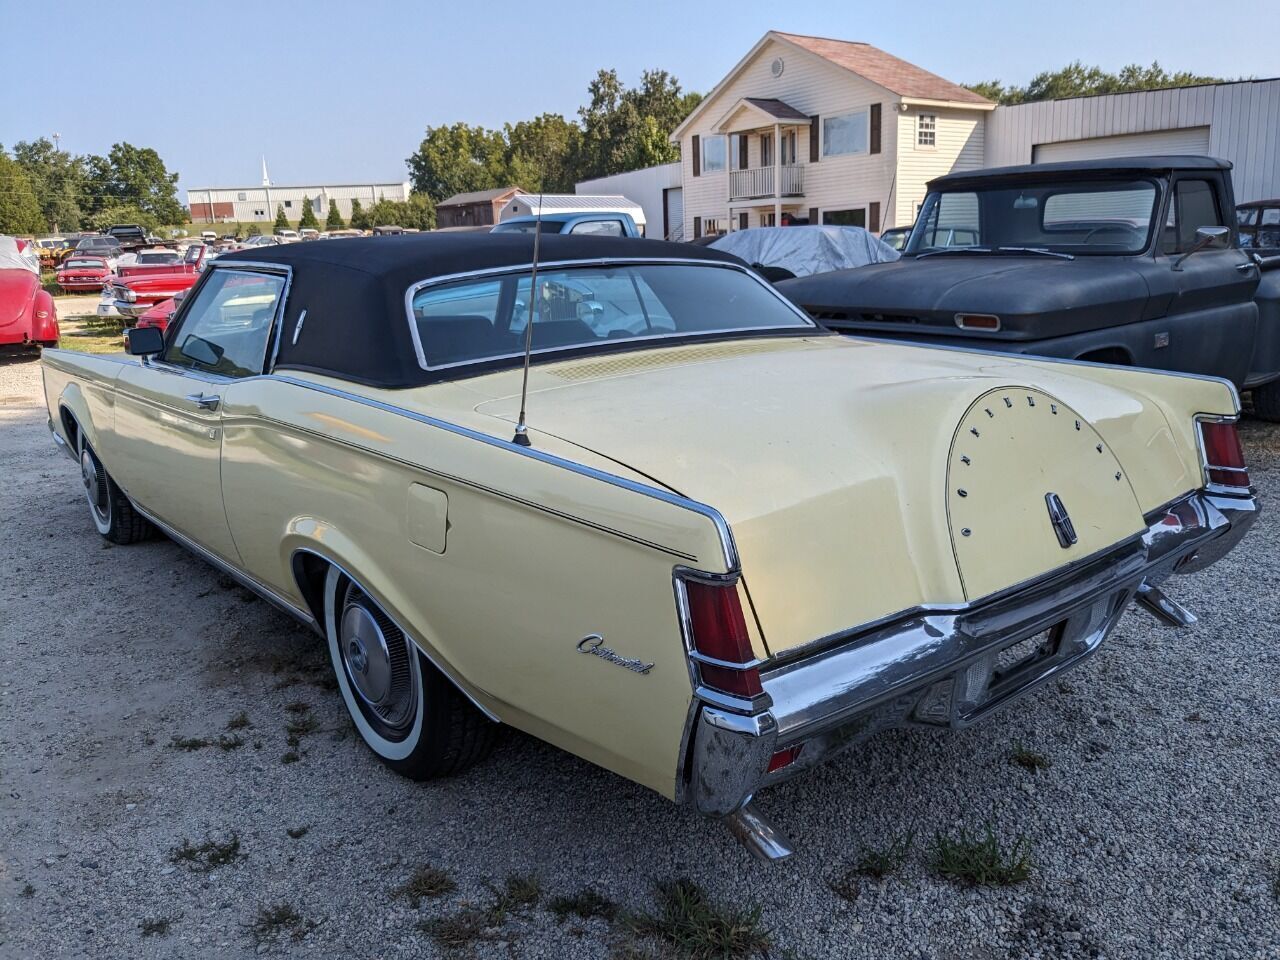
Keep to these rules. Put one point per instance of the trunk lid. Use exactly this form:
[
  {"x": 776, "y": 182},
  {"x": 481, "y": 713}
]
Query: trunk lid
[{"x": 852, "y": 510}]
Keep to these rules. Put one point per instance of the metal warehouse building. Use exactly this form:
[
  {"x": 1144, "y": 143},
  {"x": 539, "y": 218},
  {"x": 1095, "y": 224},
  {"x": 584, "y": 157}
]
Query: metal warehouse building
[
  {"x": 1234, "y": 121},
  {"x": 250, "y": 204}
]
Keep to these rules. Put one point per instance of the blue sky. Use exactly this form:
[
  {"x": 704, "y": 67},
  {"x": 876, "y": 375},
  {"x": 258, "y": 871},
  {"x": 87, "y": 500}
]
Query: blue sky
[{"x": 341, "y": 91}]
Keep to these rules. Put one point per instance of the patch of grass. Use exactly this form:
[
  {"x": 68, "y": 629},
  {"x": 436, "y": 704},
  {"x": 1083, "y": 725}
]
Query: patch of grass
[
  {"x": 518, "y": 892},
  {"x": 584, "y": 904},
  {"x": 298, "y": 706},
  {"x": 93, "y": 335},
  {"x": 303, "y": 724},
  {"x": 190, "y": 744},
  {"x": 1028, "y": 759},
  {"x": 278, "y": 919},
  {"x": 297, "y": 833},
  {"x": 457, "y": 930},
  {"x": 157, "y": 927},
  {"x": 28, "y": 891},
  {"x": 426, "y": 882},
  {"x": 976, "y": 860},
  {"x": 208, "y": 855},
  {"x": 291, "y": 757},
  {"x": 880, "y": 862},
  {"x": 695, "y": 927},
  {"x": 239, "y": 722},
  {"x": 233, "y": 742}
]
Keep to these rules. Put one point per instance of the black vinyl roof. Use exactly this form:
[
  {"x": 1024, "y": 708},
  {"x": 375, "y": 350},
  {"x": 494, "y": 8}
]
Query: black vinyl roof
[
  {"x": 1152, "y": 164},
  {"x": 353, "y": 291}
]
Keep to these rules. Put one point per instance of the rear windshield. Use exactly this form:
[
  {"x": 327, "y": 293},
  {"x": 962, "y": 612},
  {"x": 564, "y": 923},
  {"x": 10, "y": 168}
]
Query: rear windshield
[
  {"x": 154, "y": 258},
  {"x": 485, "y": 318},
  {"x": 98, "y": 243},
  {"x": 1080, "y": 217}
]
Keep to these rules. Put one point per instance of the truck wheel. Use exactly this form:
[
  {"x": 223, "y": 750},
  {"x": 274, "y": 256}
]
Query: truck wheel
[
  {"x": 112, "y": 513},
  {"x": 1266, "y": 401},
  {"x": 409, "y": 714}
]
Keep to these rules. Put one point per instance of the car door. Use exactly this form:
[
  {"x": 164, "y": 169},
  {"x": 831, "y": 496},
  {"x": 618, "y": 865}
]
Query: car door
[
  {"x": 1211, "y": 313},
  {"x": 169, "y": 411}
]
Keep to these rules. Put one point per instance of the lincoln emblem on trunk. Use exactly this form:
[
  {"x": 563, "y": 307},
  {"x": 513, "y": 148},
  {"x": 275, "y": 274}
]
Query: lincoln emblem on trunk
[{"x": 1061, "y": 520}]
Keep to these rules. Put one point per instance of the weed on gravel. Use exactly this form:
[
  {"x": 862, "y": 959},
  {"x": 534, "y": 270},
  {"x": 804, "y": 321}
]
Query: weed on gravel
[
  {"x": 297, "y": 833},
  {"x": 584, "y": 904},
  {"x": 279, "y": 919},
  {"x": 425, "y": 883},
  {"x": 875, "y": 863},
  {"x": 157, "y": 927},
  {"x": 695, "y": 927},
  {"x": 239, "y": 722},
  {"x": 1028, "y": 759},
  {"x": 190, "y": 744},
  {"x": 457, "y": 930},
  {"x": 518, "y": 892},
  {"x": 208, "y": 855},
  {"x": 227, "y": 744},
  {"x": 28, "y": 891},
  {"x": 978, "y": 860}
]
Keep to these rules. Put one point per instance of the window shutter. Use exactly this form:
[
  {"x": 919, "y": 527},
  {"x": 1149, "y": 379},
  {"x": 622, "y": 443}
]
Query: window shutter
[
  {"x": 875, "y": 128},
  {"x": 697, "y": 159},
  {"x": 742, "y": 220},
  {"x": 697, "y": 224},
  {"x": 813, "y": 216},
  {"x": 874, "y": 217},
  {"x": 813, "y": 138}
]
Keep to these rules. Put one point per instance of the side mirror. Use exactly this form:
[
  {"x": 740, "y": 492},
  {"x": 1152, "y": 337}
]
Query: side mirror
[
  {"x": 143, "y": 341},
  {"x": 1217, "y": 238}
]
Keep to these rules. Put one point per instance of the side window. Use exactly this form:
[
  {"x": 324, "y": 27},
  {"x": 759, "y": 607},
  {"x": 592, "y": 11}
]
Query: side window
[
  {"x": 600, "y": 228},
  {"x": 1194, "y": 205},
  {"x": 951, "y": 220},
  {"x": 227, "y": 327},
  {"x": 1269, "y": 228}
]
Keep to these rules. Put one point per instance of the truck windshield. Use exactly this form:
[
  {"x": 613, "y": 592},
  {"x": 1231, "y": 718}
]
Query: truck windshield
[
  {"x": 471, "y": 321},
  {"x": 1088, "y": 217}
]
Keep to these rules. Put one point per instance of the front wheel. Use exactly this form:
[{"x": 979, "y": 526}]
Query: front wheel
[
  {"x": 408, "y": 713},
  {"x": 112, "y": 512}
]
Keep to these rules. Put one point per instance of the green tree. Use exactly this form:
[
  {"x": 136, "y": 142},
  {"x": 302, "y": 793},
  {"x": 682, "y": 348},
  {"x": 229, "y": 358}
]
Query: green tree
[
  {"x": 334, "y": 220},
  {"x": 624, "y": 129},
  {"x": 57, "y": 179},
  {"x": 253, "y": 231},
  {"x": 1077, "y": 80},
  {"x": 458, "y": 159},
  {"x": 542, "y": 154},
  {"x": 19, "y": 206},
  {"x": 308, "y": 216},
  {"x": 359, "y": 217},
  {"x": 282, "y": 222},
  {"x": 133, "y": 176},
  {"x": 123, "y": 213},
  {"x": 417, "y": 213}
]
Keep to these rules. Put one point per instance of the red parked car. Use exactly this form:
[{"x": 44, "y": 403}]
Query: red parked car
[
  {"x": 160, "y": 314},
  {"x": 83, "y": 273},
  {"x": 138, "y": 287},
  {"x": 28, "y": 319}
]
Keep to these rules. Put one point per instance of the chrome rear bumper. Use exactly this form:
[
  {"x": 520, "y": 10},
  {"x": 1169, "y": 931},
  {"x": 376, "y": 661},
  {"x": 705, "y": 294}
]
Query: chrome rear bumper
[{"x": 948, "y": 667}]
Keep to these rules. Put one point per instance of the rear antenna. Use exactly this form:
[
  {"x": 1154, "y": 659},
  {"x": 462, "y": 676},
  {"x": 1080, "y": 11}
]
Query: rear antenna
[{"x": 521, "y": 439}]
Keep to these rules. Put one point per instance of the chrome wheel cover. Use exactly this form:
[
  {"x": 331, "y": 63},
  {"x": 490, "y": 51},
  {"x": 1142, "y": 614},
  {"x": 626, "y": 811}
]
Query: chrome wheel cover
[
  {"x": 376, "y": 658},
  {"x": 95, "y": 487}
]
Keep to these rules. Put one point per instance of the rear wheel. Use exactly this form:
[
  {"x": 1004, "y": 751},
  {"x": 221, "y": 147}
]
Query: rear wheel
[
  {"x": 110, "y": 509},
  {"x": 1266, "y": 401},
  {"x": 409, "y": 714}
]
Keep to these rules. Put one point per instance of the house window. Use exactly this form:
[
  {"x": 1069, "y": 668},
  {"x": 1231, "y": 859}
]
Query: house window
[
  {"x": 856, "y": 217},
  {"x": 288, "y": 204},
  {"x": 241, "y": 196},
  {"x": 259, "y": 213},
  {"x": 927, "y": 130},
  {"x": 768, "y": 220},
  {"x": 788, "y": 147},
  {"x": 712, "y": 227},
  {"x": 766, "y": 149},
  {"x": 713, "y": 154},
  {"x": 846, "y": 135}
]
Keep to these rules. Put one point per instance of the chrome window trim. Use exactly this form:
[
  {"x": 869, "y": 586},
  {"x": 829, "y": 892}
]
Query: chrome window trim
[
  {"x": 728, "y": 547},
  {"x": 413, "y": 290}
]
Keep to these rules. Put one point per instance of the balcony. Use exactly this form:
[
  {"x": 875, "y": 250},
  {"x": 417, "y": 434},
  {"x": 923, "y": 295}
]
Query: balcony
[{"x": 757, "y": 183}]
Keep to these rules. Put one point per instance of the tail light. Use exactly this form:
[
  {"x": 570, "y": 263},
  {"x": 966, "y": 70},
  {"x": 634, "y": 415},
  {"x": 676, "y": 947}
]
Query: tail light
[
  {"x": 719, "y": 638},
  {"x": 1222, "y": 454}
]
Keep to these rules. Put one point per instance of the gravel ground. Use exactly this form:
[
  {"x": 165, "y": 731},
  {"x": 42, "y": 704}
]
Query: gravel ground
[{"x": 1154, "y": 831}]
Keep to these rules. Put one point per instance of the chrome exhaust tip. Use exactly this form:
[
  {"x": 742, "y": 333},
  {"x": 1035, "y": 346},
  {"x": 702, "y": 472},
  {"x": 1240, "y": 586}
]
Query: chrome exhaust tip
[
  {"x": 757, "y": 834},
  {"x": 1168, "y": 611}
]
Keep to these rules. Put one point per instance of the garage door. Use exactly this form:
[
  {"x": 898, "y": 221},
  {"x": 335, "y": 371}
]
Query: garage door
[{"x": 1194, "y": 140}]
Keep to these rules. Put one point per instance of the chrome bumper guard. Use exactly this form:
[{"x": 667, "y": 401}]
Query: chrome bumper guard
[{"x": 948, "y": 667}]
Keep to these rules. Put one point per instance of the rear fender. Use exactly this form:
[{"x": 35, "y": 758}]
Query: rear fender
[{"x": 44, "y": 318}]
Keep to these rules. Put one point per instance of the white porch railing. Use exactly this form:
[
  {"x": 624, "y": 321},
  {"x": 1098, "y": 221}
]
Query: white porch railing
[{"x": 758, "y": 182}]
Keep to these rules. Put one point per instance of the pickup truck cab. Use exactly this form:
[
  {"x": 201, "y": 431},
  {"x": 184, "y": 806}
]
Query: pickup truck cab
[
  {"x": 137, "y": 288},
  {"x": 131, "y": 236},
  {"x": 1130, "y": 261},
  {"x": 595, "y": 224}
]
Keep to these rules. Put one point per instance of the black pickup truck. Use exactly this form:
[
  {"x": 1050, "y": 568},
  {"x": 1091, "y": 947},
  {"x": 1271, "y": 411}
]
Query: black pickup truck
[{"x": 1131, "y": 261}]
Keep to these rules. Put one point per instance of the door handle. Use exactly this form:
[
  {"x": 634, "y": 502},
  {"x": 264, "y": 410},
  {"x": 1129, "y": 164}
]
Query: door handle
[
  {"x": 1246, "y": 266},
  {"x": 204, "y": 403}
]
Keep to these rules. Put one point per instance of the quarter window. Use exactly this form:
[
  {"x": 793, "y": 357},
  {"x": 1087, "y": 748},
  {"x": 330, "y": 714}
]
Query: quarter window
[
  {"x": 844, "y": 135},
  {"x": 713, "y": 154},
  {"x": 226, "y": 328},
  {"x": 927, "y": 130}
]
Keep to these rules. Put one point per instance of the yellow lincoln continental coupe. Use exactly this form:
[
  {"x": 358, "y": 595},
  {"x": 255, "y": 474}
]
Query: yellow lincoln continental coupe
[{"x": 729, "y": 543}]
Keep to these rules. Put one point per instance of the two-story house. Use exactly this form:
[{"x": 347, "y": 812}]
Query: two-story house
[{"x": 811, "y": 130}]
